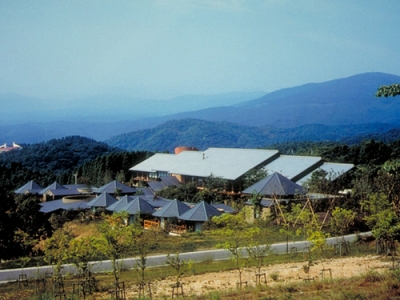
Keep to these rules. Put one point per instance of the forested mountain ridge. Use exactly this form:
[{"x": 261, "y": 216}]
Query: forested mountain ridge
[
  {"x": 344, "y": 101},
  {"x": 340, "y": 102},
  {"x": 204, "y": 134},
  {"x": 57, "y": 155},
  {"x": 46, "y": 161}
]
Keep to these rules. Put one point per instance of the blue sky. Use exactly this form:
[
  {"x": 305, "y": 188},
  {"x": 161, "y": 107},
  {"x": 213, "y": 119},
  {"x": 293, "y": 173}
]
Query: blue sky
[{"x": 164, "y": 48}]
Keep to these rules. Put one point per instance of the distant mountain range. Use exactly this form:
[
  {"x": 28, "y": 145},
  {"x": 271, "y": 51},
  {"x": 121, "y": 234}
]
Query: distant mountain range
[
  {"x": 331, "y": 110},
  {"x": 343, "y": 101},
  {"x": 204, "y": 134}
]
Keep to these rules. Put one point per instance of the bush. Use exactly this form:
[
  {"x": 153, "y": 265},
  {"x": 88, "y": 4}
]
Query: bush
[{"x": 274, "y": 276}]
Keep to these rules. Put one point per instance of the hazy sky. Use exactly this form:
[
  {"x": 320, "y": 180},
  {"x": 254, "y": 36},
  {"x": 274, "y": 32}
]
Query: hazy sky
[{"x": 163, "y": 48}]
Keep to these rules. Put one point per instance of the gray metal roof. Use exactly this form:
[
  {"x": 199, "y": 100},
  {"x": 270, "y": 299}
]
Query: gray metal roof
[
  {"x": 62, "y": 192},
  {"x": 112, "y": 186},
  {"x": 156, "y": 185},
  {"x": 157, "y": 201},
  {"x": 138, "y": 206},
  {"x": 123, "y": 201},
  {"x": 54, "y": 186},
  {"x": 275, "y": 184},
  {"x": 103, "y": 200},
  {"x": 145, "y": 191},
  {"x": 200, "y": 213},
  {"x": 223, "y": 208},
  {"x": 334, "y": 170},
  {"x": 30, "y": 187},
  {"x": 170, "y": 181},
  {"x": 228, "y": 163},
  {"x": 173, "y": 209},
  {"x": 292, "y": 166},
  {"x": 51, "y": 206}
]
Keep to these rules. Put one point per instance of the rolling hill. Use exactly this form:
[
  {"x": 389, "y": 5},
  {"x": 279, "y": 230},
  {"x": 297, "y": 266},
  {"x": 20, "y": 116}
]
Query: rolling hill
[
  {"x": 345, "y": 101},
  {"x": 204, "y": 134},
  {"x": 289, "y": 114}
]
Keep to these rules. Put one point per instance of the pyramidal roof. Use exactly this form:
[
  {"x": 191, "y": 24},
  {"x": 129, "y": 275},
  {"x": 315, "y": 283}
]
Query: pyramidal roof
[
  {"x": 103, "y": 200},
  {"x": 275, "y": 184},
  {"x": 123, "y": 201},
  {"x": 173, "y": 209},
  {"x": 138, "y": 206},
  {"x": 112, "y": 186},
  {"x": 30, "y": 187},
  {"x": 200, "y": 213},
  {"x": 54, "y": 186}
]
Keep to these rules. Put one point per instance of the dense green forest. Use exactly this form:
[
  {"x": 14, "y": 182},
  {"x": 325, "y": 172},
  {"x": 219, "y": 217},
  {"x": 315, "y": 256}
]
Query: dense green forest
[
  {"x": 96, "y": 164},
  {"x": 204, "y": 134}
]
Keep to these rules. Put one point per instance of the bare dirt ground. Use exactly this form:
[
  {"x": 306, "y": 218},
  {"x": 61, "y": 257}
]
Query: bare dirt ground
[{"x": 287, "y": 273}]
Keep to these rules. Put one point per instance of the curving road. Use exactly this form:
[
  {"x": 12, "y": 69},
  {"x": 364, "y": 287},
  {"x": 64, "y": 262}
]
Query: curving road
[{"x": 9, "y": 275}]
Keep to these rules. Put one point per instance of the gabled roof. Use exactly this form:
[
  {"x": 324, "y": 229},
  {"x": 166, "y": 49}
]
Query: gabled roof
[
  {"x": 52, "y": 187},
  {"x": 200, "y": 213},
  {"x": 294, "y": 167},
  {"x": 112, "y": 186},
  {"x": 173, "y": 209},
  {"x": 275, "y": 184},
  {"x": 123, "y": 201},
  {"x": 103, "y": 200},
  {"x": 228, "y": 163},
  {"x": 334, "y": 171},
  {"x": 30, "y": 187},
  {"x": 138, "y": 206}
]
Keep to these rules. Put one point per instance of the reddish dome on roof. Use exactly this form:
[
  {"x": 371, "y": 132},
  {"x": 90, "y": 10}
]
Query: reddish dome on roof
[{"x": 185, "y": 148}]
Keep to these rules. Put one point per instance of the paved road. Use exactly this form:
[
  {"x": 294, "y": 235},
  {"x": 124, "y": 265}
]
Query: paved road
[{"x": 160, "y": 260}]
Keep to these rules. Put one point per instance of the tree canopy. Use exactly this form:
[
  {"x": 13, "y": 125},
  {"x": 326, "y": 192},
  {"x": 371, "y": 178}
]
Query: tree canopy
[{"x": 388, "y": 90}]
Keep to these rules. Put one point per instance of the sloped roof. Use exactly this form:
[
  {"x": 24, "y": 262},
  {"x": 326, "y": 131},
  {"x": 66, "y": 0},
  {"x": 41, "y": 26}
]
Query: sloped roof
[
  {"x": 30, "y": 187},
  {"x": 170, "y": 181},
  {"x": 51, "y": 206},
  {"x": 123, "y": 201},
  {"x": 215, "y": 161},
  {"x": 138, "y": 205},
  {"x": 200, "y": 213},
  {"x": 164, "y": 182},
  {"x": 275, "y": 184},
  {"x": 223, "y": 208},
  {"x": 112, "y": 186},
  {"x": 145, "y": 191},
  {"x": 334, "y": 171},
  {"x": 157, "y": 201},
  {"x": 175, "y": 208},
  {"x": 103, "y": 200},
  {"x": 54, "y": 186},
  {"x": 62, "y": 192},
  {"x": 294, "y": 167},
  {"x": 156, "y": 185}
]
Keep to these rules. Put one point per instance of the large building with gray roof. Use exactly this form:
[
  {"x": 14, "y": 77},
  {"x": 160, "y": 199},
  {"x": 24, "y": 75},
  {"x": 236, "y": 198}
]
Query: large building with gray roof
[{"x": 230, "y": 164}]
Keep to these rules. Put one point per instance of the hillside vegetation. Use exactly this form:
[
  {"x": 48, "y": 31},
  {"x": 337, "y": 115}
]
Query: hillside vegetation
[{"x": 204, "y": 134}]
